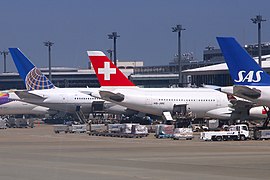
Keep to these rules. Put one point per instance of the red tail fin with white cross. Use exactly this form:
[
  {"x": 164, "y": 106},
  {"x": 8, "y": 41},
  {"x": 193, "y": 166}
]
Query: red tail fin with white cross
[{"x": 107, "y": 73}]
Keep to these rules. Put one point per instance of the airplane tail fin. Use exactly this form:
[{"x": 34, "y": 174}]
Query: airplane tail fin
[
  {"x": 107, "y": 73},
  {"x": 4, "y": 98},
  {"x": 243, "y": 68},
  {"x": 32, "y": 76}
]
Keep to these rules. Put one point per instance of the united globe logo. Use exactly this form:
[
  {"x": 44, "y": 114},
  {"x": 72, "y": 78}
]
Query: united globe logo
[{"x": 35, "y": 80}]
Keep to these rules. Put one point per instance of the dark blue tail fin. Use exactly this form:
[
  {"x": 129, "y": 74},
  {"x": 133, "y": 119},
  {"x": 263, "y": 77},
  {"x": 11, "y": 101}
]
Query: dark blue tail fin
[
  {"x": 32, "y": 76},
  {"x": 243, "y": 68}
]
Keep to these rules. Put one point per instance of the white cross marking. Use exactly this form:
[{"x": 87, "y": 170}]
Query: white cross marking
[{"x": 107, "y": 71}]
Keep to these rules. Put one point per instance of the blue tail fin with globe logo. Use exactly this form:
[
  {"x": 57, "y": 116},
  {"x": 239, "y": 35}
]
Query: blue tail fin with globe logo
[{"x": 32, "y": 76}]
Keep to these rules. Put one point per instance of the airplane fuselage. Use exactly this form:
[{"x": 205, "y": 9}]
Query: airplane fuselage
[
  {"x": 68, "y": 100},
  {"x": 158, "y": 100}
]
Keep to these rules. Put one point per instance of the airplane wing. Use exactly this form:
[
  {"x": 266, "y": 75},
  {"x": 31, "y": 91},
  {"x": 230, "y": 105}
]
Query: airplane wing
[
  {"x": 108, "y": 95},
  {"x": 27, "y": 95},
  {"x": 239, "y": 105},
  {"x": 244, "y": 108},
  {"x": 246, "y": 92}
]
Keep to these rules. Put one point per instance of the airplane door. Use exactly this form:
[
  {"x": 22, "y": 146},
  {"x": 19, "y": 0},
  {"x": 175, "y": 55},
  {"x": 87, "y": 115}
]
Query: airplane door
[
  {"x": 64, "y": 98},
  {"x": 97, "y": 106},
  {"x": 148, "y": 100},
  {"x": 218, "y": 103}
]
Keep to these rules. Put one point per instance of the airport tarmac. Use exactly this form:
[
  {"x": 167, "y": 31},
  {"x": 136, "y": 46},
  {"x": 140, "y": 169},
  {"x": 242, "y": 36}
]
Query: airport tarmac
[{"x": 38, "y": 153}]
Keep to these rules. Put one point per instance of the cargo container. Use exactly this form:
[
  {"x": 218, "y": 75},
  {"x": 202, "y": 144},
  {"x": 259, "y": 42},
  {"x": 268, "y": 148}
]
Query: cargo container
[
  {"x": 77, "y": 128},
  {"x": 164, "y": 131},
  {"x": 3, "y": 124},
  {"x": 60, "y": 128},
  {"x": 96, "y": 127},
  {"x": 114, "y": 128},
  {"x": 183, "y": 133},
  {"x": 212, "y": 124},
  {"x": 139, "y": 129},
  {"x": 119, "y": 130},
  {"x": 127, "y": 128}
]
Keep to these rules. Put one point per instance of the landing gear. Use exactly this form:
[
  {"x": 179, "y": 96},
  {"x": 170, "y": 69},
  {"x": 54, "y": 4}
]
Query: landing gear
[{"x": 266, "y": 122}]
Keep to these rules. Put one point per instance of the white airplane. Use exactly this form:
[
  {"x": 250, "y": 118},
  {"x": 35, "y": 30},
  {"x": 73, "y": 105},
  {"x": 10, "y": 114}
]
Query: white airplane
[
  {"x": 116, "y": 88},
  {"x": 250, "y": 80},
  {"x": 41, "y": 91},
  {"x": 13, "y": 107}
]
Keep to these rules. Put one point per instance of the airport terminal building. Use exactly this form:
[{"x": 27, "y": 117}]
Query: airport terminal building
[
  {"x": 65, "y": 77},
  {"x": 217, "y": 74},
  {"x": 211, "y": 70}
]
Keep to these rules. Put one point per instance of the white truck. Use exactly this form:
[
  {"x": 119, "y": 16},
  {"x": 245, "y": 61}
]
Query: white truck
[{"x": 235, "y": 132}]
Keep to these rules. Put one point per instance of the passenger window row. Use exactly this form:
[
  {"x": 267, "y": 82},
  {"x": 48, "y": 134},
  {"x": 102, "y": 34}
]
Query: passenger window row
[
  {"x": 76, "y": 98},
  {"x": 187, "y": 100}
]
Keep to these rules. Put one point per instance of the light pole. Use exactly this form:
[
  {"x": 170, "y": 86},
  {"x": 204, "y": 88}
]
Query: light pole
[
  {"x": 4, "y": 53},
  {"x": 114, "y": 36},
  {"x": 257, "y": 20},
  {"x": 49, "y": 44},
  {"x": 178, "y": 28},
  {"x": 110, "y": 53}
]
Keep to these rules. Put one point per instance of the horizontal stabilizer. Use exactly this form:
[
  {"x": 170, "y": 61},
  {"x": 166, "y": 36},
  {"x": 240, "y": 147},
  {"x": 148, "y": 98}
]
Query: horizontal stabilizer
[
  {"x": 108, "y": 95},
  {"x": 26, "y": 95},
  {"x": 87, "y": 92}
]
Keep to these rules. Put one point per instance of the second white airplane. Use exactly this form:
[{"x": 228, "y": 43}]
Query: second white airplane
[{"x": 201, "y": 102}]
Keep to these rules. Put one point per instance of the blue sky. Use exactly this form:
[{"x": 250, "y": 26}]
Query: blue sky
[{"x": 144, "y": 26}]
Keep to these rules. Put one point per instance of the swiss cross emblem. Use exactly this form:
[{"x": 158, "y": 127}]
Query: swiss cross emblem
[{"x": 107, "y": 71}]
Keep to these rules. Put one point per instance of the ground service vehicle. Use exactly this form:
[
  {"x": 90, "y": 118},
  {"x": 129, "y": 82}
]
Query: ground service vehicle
[
  {"x": 235, "y": 132},
  {"x": 260, "y": 134},
  {"x": 183, "y": 133}
]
